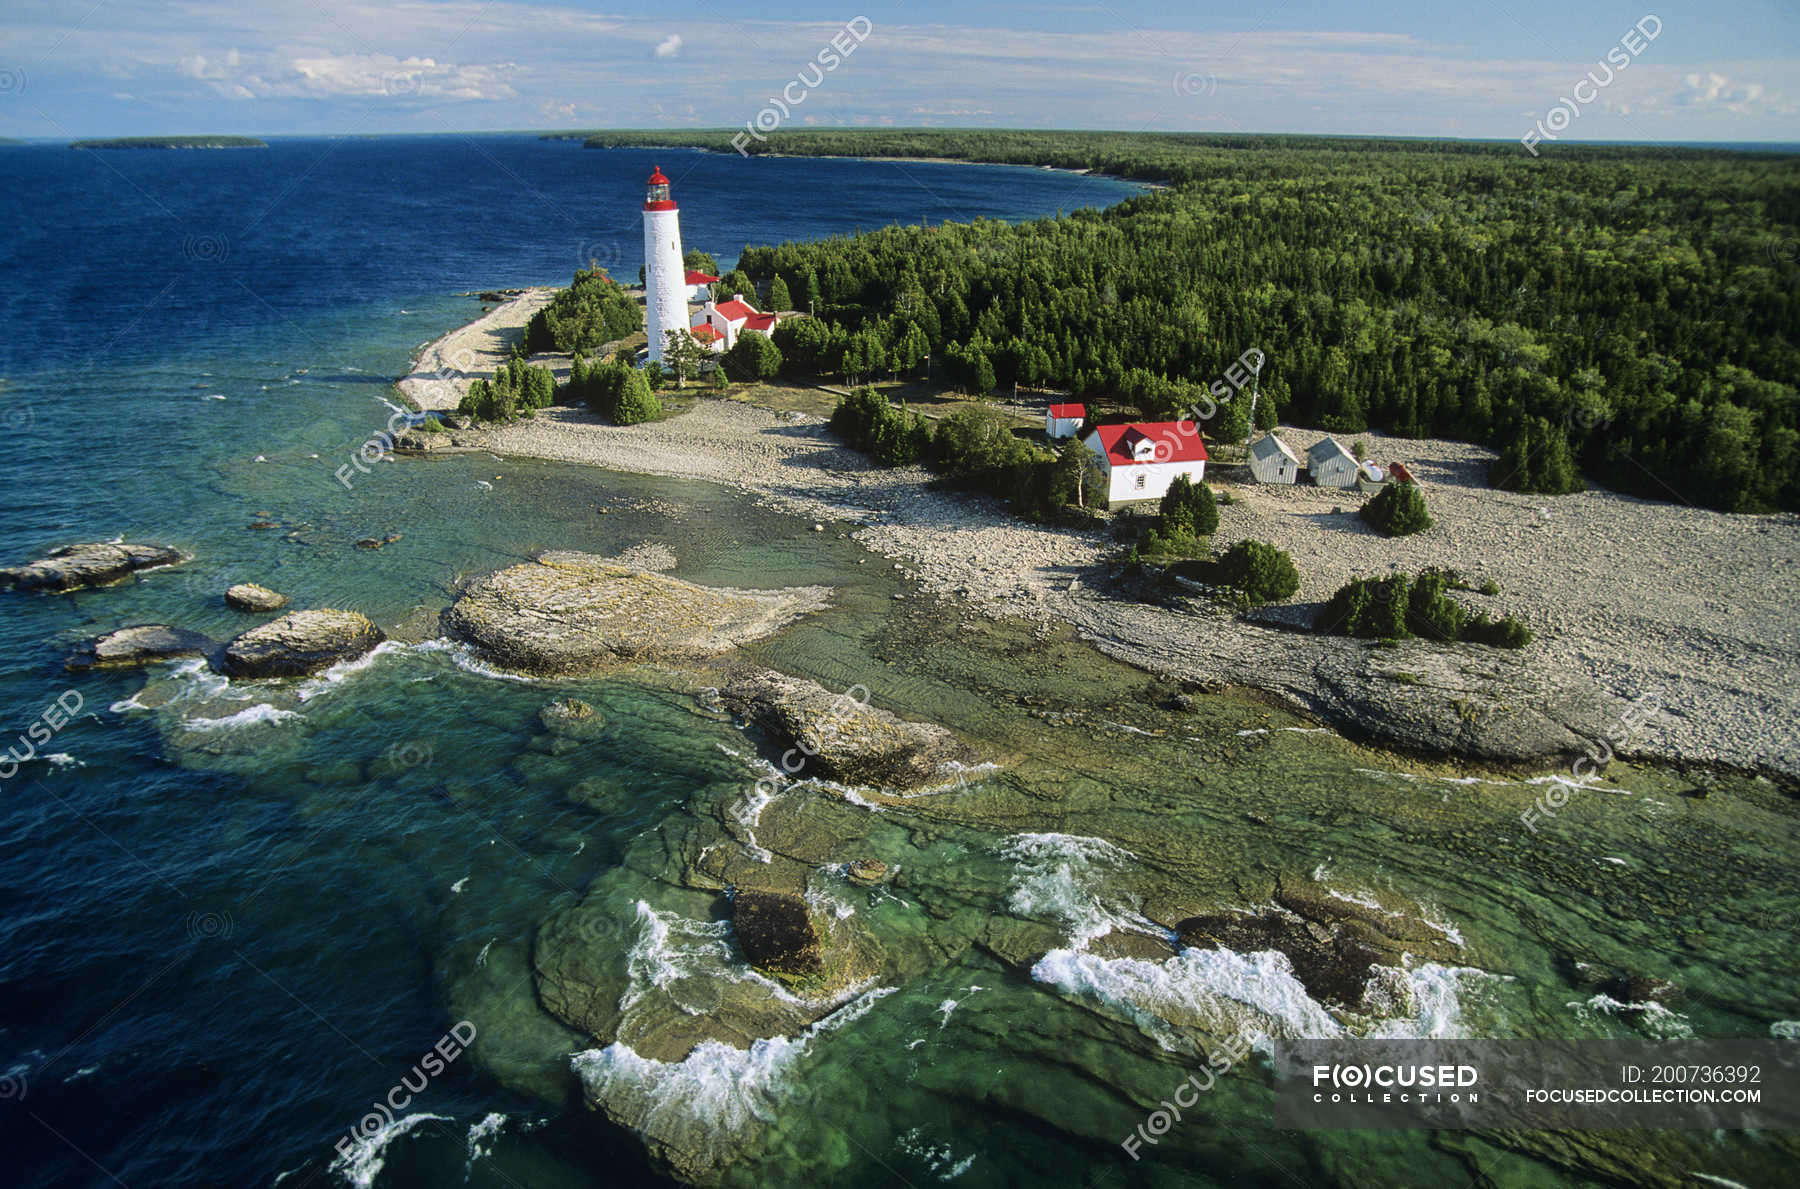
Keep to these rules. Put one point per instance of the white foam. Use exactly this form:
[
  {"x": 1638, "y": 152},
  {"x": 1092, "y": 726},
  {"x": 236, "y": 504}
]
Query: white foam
[
  {"x": 1785, "y": 1029},
  {"x": 748, "y": 814},
  {"x": 337, "y": 674},
  {"x": 715, "y": 1089},
  {"x": 464, "y": 658},
  {"x": 1652, "y": 1017},
  {"x": 460, "y": 884},
  {"x": 482, "y": 1136},
  {"x": 1055, "y": 876},
  {"x": 262, "y": 714},
  {"x": 939, "y": 1159},
  {"x": 1257, "y": 994},
  {"x": 363, "y": 1160},
  {"x": 62, "y": 759},
  {"x": 670, "y": 948}
]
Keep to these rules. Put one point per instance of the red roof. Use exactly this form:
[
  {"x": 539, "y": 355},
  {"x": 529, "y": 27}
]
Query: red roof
[
  {"x": 734, "y": 309},
  {"x": 704, "y": 331},
  {"x": 656, "y": 177},
  {"x": 700, "y": 278},
  {"x": 761, "y": 322},
  {"x": 1173, "y": 442},
  {"x": 1064, "y": 411}
]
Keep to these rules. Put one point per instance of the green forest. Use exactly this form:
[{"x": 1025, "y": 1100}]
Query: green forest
[{"x": 1621, "y": 313}]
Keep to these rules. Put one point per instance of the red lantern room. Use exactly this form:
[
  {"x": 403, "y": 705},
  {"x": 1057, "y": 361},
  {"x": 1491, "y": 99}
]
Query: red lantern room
[{"x": 656, "y": 197}]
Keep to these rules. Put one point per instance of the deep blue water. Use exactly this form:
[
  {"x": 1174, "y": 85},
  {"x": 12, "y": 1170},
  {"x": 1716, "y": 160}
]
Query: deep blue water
[
  {"x": 233, "y": 915},
  {"x": 210, "y": 966}
]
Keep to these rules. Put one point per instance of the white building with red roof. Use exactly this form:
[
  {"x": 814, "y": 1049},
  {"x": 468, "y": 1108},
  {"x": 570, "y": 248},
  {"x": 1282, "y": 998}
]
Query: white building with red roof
[
  {"x": 1141, "y": 459},
  {"x": 700, "y": 284},
  {"x": 725, "y": 320},
  {"x": 1064, "y": 421}
]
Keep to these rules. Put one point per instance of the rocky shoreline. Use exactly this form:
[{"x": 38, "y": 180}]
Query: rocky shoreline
[{"x": 1640, "y": 650}]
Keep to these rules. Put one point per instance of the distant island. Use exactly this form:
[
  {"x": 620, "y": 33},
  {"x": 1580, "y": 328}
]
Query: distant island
[{"x": 172, "y": 142}]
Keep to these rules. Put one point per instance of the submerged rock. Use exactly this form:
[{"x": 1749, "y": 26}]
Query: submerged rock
[
  {"x": 842, "y": 737},
  {"x": 575, "y": 613},
  {"x": 1640, "y": 988},
  {"x": 142, "y": 644},
  {"x": 76, "y": 567},
  {"x": 775, "y": 931},
  {"x": 299, "y": 643},
  {"x": 248, "y": 596},
  {"x": 867, "y": 873},
  {"x": 570, "y": 725},
  {"x": 570, "y": 712},
  {"x": 1338, "y": 947}
]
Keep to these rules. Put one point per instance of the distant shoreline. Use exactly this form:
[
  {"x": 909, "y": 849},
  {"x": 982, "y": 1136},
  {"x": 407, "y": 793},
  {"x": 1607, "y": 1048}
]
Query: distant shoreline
[
  {"x": 1148, "y": 185},
  {"x": 171, "y": 142}
]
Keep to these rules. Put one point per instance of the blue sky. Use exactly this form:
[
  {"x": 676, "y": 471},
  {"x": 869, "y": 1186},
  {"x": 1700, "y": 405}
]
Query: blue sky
[{"x": 1728, "y": 70}]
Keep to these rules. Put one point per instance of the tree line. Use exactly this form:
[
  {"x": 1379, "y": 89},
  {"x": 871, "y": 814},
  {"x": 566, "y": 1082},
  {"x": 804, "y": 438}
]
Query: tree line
[{"x": 1617, "y": 312}]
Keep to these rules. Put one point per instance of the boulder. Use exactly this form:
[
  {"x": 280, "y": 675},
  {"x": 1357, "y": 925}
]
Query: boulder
[
  {"x": 1641, "y": 988},
  {"x": 1338, "y": 947},
  {"x": 776, "y": 933},
  {"x": 299, "y": 643},
  {"x": 867, "y": 873},
  {"x": 75, "y": 567},
  {"x": 574, "y": 613},
  {"x": 842, "y": 737},
  {"x": 248, "y": 596},
  {"x": 572, "y": 719},
  {"x": 142, "y": 644}
]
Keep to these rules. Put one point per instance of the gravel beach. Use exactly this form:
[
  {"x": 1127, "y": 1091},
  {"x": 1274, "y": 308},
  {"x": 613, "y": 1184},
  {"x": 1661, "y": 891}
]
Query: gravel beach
[{"x": 1684, "y": 613}]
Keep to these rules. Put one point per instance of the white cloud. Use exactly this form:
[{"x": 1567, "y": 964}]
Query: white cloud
[
  {"x": 520, "y": 61},
  {"x": 1714, "y": 90}
]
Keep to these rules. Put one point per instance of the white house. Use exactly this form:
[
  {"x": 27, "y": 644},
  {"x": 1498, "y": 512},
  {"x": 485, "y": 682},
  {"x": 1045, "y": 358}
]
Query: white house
[
  {"x": 1142, "y": 459},
  {"x": 1272, "y": 462},
  {"x": 1330, "y": 465},
  {"x": 718, "y": 324},
  {"x": 699, "y": 285},
  {"x": 1064, "y": 421}
]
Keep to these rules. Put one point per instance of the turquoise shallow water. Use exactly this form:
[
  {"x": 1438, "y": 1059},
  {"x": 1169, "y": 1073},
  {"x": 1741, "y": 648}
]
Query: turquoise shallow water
[{"x": 234, "y": 915}]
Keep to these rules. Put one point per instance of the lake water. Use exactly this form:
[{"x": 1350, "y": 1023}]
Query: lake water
[{"x": 234, "y": 915}]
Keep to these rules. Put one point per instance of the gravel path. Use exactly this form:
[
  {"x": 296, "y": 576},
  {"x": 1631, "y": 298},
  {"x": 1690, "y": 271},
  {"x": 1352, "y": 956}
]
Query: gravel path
[{"x": 1631, "y": 601}]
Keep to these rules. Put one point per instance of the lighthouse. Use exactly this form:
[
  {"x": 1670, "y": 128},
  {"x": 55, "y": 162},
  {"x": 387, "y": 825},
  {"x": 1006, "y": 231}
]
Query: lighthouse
[{"x": 665, "y": 280}]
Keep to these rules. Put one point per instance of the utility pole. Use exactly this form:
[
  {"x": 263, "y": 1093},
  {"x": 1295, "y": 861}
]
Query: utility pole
[{"x": 1255, "y": 391}]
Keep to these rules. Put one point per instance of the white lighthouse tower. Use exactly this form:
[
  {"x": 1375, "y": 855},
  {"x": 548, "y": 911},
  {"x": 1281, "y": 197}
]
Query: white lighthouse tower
[{"x": 665, "y": 279}]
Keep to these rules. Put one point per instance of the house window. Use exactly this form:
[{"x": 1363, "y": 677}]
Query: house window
[{"x": 1139, "y": 484}]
